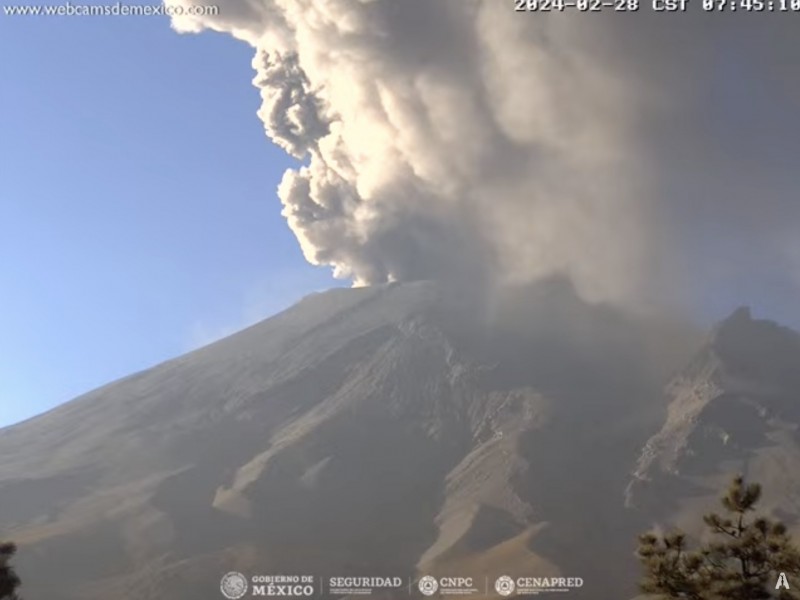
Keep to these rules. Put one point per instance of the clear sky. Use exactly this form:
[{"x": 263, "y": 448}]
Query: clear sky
[{"x": 137, "y": 203}]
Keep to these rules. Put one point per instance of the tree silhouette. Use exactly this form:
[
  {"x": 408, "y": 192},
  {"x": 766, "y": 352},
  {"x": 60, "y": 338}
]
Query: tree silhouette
[
  {"x": 9, "y": 582},
  {"x": 743, "y": 562}
]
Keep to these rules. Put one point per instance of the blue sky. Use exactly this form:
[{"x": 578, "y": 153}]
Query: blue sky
[{"x": 137, "y": 203}]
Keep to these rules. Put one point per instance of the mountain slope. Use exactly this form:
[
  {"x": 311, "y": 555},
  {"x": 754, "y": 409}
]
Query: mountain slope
[
  {"x": 396, "y": 430},
  {"x": 735, "y": 408}
]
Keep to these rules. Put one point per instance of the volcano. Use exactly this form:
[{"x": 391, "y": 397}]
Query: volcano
[{"x": 402, "y": 431}]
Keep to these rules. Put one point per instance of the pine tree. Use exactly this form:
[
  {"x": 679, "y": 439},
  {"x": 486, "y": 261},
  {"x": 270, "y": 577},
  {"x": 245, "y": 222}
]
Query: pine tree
[
  {"x": 743, "y": 562},
  {"x": 9, "y": 581}
]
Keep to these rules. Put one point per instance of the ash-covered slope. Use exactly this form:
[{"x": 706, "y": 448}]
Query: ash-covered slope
[
  {"x": 394, "y": 430},
  {"x": 735, "y": 408}
]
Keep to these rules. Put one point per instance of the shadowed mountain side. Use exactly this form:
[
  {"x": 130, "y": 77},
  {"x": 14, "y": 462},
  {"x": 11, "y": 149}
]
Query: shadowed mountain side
[{"x": 734, "y": 409}]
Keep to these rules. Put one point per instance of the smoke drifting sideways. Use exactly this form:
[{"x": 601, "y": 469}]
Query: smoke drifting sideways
[{"x": 649, "y": 157}]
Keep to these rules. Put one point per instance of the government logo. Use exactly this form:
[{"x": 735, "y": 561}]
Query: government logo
[
  {"x": 233, "y": 585},
  {"x": 284, "y": 585}
]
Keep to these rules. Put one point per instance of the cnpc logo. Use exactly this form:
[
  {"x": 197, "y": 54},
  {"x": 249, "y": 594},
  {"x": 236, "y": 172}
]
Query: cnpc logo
[
  {"x": 460, "y": 586},
  {"x": 428, "y": 585}
]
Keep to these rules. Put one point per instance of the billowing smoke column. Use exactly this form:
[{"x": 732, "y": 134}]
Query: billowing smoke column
[{"x": 463, "y": 139}]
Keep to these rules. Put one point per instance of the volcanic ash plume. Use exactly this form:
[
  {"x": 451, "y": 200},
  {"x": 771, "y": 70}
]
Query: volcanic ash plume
[{"x": 462, "y": 139}]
